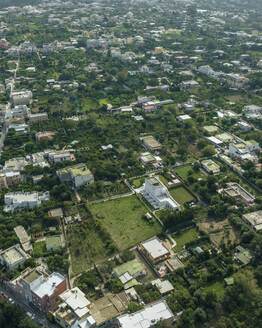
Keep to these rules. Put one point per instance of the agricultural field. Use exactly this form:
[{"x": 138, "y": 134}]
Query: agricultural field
[
  {"x": 86, "y": 247},
  {"x": 124, "y": 219}
]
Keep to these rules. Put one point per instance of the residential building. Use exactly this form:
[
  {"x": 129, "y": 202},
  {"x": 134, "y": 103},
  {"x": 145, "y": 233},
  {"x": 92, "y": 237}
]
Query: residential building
[
  {"x": 10, "y": 179},
  {"x": 19, "y": 128},
  {"x": 60, "y": 156},
  {"x": 147, "y": 317},
  {"x": 23, "y": 238},
  {"x": 20, "y": 200},
  {"x": 236, "y": 80},
  {"x": 151, "y": 143},
  {"x": 48, "y": 134},
  {"x": 254, "y": 219},
  {"x": 77, "y": 175},
  {"x": 210, "y": 166},
  {"x": 13, "y": 256},
  {"x": 154, "y": 250},
  {"x": 157, "y": 195},
  {"x": 37, "y": 117},
  {"x": 129, "y": 270},
  {"x": 236, "y": 191},
  {"x": 244, "y": 126},
  {"x": 21, "y": 97},
  {"x": 187, "y": 85},
  {"x": 39, "y": 288},
  {"x": 16, "y": 164},
  {"x": 73, "y": 310},
  {"x": 253, "y": 109},
  {"x": 242, "y": 255},
  {"x": 164, "y": 286}
]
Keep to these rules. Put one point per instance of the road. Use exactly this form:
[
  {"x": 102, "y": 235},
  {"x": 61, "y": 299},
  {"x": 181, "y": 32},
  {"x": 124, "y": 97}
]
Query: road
[{"x": 39, "y": 317}]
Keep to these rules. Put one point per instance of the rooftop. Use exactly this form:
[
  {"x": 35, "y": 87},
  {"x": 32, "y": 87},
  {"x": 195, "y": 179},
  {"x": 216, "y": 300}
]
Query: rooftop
[
  {"x": 147, "y": 317},
  {"x": 76, "y": 170},
  {"x": 32, "y": 276},
  {"x": 48, "y": 286},
  {"x": 155, "y": 248}
]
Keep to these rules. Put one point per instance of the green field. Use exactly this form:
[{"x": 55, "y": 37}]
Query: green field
[
  {"x": 86, "y": 247},
  {"x": 184, "y": 238},
  {"x": 183, "y": 172},
  {"x": 123, "y": 219},
  {"x": 181, "y": 195}
]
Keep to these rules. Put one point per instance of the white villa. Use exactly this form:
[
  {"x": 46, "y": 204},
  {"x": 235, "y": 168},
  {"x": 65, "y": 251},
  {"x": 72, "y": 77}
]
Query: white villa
[{"x": 157, "y": 195}]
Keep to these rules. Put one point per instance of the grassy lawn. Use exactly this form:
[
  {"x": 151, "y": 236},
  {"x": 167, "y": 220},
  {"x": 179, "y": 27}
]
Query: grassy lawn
[
  {"x": 181, "y": 195},
  {"x": 184, "y": 238},
  {"x": 137, "y": 183},
  {"x": 183, "y": 172},
  {"x": 217, "y": 288},
  {"x": 86, "y": 247},
  {"x": 39, "y": 249},
  {"x": 123, "y": 219}
]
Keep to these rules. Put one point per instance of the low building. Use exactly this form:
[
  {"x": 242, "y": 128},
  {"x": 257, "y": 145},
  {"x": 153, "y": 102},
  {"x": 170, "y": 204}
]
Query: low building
[
  {"x": 15, "y": 164},
  {"x": 13, "y": 256},
  {"x": 56, "y": 213},
  {"x": 244, "y": 126},
  {"x": 154, "y": 250},
  {"x": 254, "y": 219},
  {"x": 21, "y": 97},
  {"x": 73, "y": 310},
  {"x": 147, "y": 317},
  {"x": 48, "y": 134},
  {"x": 151, "y": 143},
  {"x": 157, "y": 195},
  {"x": 20, "y": 200},
  {"x": 10, "y": 179},
  {"x": 53, "y": 242},
  {"x": 187, "y": 85},
  {"x": 236, "y": 191},
  {"x": 77, "y": 175},
  {"x": 24, "y": 239},
  {"x": 164, "y": 286},
  {"x": 242, "y": 255},
  {"x": 210, "y": 166},
  {"x": 184, "y": 118},
  {"x": 129, "y": 270},
  {"x": 253, "y": 109},
  {"x": 37, "y": 117},
  {"x": 39, "y": 288},
  {"x": 19, "y": 128},
  {"x": 60, "y": 156}
]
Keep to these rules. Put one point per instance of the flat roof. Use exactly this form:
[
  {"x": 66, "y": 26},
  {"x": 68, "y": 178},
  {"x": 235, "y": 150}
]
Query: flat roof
[
  {"x": 32, "y": 276},
  {"x": 211, "y": 128},
  {"x": 255, "y": 219},
  {"x": 155, "y": 248},
  {"x": 147, "y": 317},
  {"x": 151, "y": 141},
  {"x": 13, "y": 255},
  {"x": 48, "y": 286},
  {"x": 76, "y": 170}
]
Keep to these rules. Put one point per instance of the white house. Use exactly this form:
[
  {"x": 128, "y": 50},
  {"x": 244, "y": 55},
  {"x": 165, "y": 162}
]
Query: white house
[
  {"x": 20, "y": 200},
  {"x": 157, "y": 195}
]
